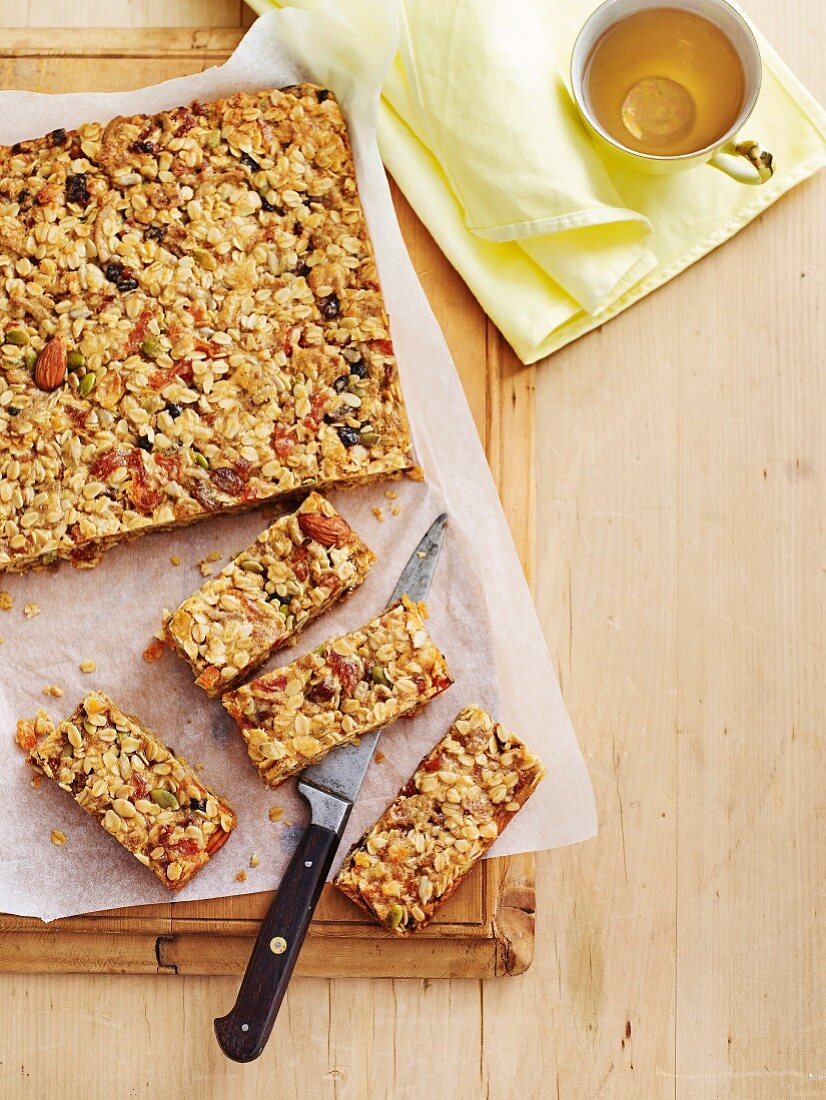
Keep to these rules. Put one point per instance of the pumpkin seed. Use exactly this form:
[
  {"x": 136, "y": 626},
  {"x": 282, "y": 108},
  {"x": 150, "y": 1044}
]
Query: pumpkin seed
[
  {"x": 212, "y": 139},
  {"x": 75, "y": 360},
  {"x": 152, "y": 347},
  {"x": 369, "y": 435},
  {"x": 87, "y": 383},
  {"x": 17, "y": 336},
  {"x": 379, "y": 676},
  {"x": 30, "y": 358},
  {"x": 165, "y": 799},
  {"x": 395, "y": 915}
]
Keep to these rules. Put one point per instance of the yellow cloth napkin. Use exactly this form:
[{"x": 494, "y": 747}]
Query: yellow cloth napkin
[{"x": 478, "y": 128}]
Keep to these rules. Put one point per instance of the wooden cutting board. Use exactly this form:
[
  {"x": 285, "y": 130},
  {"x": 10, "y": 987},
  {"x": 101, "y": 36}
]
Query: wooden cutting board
[{"x": 487, "y": 927}]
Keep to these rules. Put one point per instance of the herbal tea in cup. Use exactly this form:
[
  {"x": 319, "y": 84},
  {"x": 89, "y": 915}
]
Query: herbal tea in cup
[
  {"x": 665, "y": 81},
  {"x": 665, "y": 85}
]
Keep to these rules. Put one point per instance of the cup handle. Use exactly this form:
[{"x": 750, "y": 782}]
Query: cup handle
[{"x": 746, "y": 161}]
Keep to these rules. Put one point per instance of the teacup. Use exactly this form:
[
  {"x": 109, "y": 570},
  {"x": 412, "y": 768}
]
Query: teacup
[{"x": 742, "y": 159}]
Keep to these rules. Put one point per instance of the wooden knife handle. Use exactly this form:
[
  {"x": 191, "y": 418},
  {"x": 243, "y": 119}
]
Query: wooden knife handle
[{"x": 242, "y": 1034}]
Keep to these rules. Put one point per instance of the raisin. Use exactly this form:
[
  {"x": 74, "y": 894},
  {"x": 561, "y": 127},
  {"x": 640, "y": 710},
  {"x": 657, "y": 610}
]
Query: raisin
[
  {"x": 21, "y": 198},
  {"x": 144, "y": 443},
  {"x": 322, "y": 94},
  {"x": 324, "y": 691},
  {"x": 198, "y": 804},
  {"x": 329, "y": 307},
  {"x": 271, "y": 207},
  {"x": 58, "y": 137},
  {"x": 156, "y": 232},
  {"x": 253, "y": 165},
  {"x": 358, "y": 368},
  {"x": 282, "y": 601},
  {"x": 17, "y": 148},
  {"x": 13, "y": 411},
  {"x": 76, "y": 189},
  {"x": 341, "y": 383},
  {"x": 227, "y": 480},
  {"x": 174, "y": 410},
  {"x": 304, "y": 270},
  {"x": 349, "y": 436},
  {"x": 121, "y": 276},
  {"x": 144, "y": 147},
  {"x": 298, "y": 229}
]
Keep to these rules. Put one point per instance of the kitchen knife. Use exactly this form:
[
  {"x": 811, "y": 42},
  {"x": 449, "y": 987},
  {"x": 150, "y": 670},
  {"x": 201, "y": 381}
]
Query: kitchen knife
[{"x": 330, "y": 787}]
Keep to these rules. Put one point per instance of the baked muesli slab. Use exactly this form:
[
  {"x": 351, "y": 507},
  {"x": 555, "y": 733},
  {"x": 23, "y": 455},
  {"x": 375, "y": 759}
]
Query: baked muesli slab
[
  {"x": 292, "y": 573},
  {"x": 358, "y": 682},
  {"x": 459, "y": 801},
  {"x": 148, "y": 799},
  {"x": 191, "y": 322}
]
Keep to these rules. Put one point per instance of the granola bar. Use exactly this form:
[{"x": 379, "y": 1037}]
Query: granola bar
[
  {"x": 292, "y": 573},
  {"x": 147, "y": 798},
  {"x": 292, "y": 717},
  {"x": 191, "y": 322},
  {"x": 459, "y": 801}
]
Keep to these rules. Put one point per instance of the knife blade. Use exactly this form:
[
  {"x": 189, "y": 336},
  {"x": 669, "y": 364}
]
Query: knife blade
[{"x": 330, "y": 788}]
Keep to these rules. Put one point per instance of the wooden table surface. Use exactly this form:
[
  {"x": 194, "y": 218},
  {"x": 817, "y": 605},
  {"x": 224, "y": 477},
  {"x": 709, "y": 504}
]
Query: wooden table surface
[{"x": 680, "y": 578}]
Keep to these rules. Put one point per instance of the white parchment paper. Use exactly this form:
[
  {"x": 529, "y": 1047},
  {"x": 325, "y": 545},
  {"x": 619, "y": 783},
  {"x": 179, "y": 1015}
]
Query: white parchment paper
[{"x": 482, "y": 615}]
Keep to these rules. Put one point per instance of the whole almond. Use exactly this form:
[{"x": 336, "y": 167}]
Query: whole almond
[
  {"x": 328, "y": 530},
  {"x": 50, "y": 370}
]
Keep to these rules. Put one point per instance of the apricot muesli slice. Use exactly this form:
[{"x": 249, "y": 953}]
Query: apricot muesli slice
[
  {"x": 151, "y": 802},
  {"x": 293, "y": 572},
  {"x": 345, "y": 688},
  {"x": 461, "y": 798}
]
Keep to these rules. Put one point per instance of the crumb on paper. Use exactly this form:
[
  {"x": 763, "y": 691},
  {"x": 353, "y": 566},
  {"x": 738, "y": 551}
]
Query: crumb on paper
[
  {"x": 31, "y": 730},
  {"x": 416, "y": 473},
  {"x": 378, "y": 513},
  {"x": 31, "y": 609},
  {"x": 391, "y": 495},
  {"x": 395, "y": 511},
  {"x": 37, "y": 779},
  {"x": 2, "y": 640},
  {"x": 87, "y": 666},
  {"x": 379, "y": 757},
  {"x": 254, "y": 860},
  {"x": 53, "y": 690},
  {"x": 206, "y": 568},
  {"x": 199, "y": 767},
  {"x": 25, "y": 735},
  {"x": 214, "y": 555},
  {"x": 276, "y": 813},
  {"x": 421, "y": 553},
  {"x": 241, "y": 876},
  {"x": 58, "y": 837},
  {"x": 6, "y": 602},
  {"x": 154, "y": 651},
  {"x": 175, "y": 560}
]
